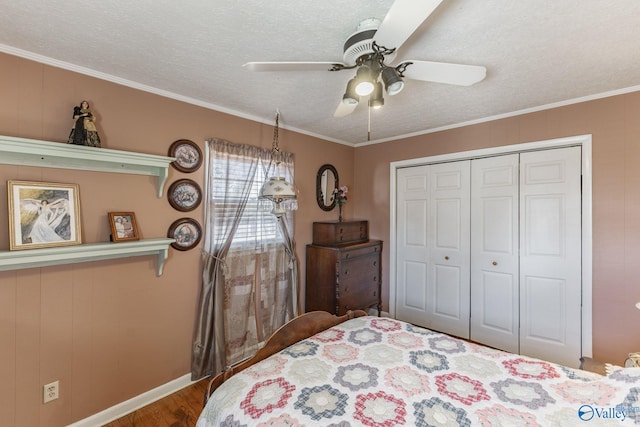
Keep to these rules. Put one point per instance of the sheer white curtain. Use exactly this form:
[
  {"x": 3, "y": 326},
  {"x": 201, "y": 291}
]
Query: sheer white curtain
[{"x": 250, "y": 274}]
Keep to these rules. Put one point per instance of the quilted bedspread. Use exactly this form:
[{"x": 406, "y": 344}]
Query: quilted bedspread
[{"x": 373, "y": 371}]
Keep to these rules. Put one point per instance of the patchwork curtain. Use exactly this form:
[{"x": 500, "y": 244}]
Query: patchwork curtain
[{"x": 250, "y": 271}]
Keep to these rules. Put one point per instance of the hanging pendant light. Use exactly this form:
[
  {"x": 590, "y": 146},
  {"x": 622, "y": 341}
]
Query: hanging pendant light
[{"x": 277, "y": 189}]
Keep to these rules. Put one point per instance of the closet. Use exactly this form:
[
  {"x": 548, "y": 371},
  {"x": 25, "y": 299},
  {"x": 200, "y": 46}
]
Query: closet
[{"x": 489, "y": 249}]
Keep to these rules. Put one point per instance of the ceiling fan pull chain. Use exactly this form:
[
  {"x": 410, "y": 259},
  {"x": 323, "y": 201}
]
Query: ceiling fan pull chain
[{"x": 369, "y": 124}]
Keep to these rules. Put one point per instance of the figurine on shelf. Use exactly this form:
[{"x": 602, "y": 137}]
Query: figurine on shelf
[{"x": 84, "y": 131}]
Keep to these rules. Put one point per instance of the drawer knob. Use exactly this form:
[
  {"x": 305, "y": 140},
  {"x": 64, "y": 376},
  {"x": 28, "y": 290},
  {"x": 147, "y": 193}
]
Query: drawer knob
[
  {"x": 495, "y": 263},
  {"x": 346, "y": 289},
  {"x": 346, "y": 272},
  {"x": 446, "y": 257},
  {"x": 374, "y": 293},
  {"x": 375, "y": 263}
]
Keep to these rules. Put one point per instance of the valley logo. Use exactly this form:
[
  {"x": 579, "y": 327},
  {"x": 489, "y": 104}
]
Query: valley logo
[{"x": 588, "y": 412}]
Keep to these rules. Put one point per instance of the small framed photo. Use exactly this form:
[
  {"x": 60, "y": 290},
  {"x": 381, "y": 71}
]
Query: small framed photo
[
  {"x": 188, "y": 155},
  {"x": 184, "y": 195},
  {"x": 187, "y": 232},
  {"x": 43, "y": 214},
  {"x": 124, "y": 226}
]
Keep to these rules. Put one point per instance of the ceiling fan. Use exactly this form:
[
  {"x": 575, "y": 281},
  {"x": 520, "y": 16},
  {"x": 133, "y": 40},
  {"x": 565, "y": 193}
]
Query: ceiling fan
[{"x": 373, "y": 47}]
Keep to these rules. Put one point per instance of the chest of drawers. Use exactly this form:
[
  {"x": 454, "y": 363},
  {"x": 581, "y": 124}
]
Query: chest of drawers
[{"x": 343, "y": 277}]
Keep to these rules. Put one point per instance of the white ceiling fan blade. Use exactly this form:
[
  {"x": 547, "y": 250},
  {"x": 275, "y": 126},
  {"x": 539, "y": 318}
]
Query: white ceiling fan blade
[
  {"x": 290, "y": 66},
  {"x": 344, "y": 109},
  {"x": 404, "y": 17},
  {"x": 442, "y": 72}
]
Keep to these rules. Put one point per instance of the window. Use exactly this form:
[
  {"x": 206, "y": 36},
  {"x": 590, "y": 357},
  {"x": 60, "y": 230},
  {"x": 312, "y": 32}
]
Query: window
[{"x": 257, "y": 226}]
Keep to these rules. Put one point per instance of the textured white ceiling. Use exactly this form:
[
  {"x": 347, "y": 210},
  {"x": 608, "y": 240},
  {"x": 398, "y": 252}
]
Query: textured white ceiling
[{"x": 537, "y": 53}]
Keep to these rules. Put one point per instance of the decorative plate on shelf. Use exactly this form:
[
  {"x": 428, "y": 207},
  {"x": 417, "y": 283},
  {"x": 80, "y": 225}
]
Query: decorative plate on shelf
[
  {"x": 187, "y": 232},
  {"x": 188, "y": 155},
  {"x": 184, "y": 195}
]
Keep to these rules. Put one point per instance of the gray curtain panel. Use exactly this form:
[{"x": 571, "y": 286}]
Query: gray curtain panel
[{"x": 250, "y": 272}]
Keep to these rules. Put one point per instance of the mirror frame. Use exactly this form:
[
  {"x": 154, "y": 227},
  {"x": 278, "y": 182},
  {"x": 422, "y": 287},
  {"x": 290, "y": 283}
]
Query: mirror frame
[{"x": 319, "y": 199}]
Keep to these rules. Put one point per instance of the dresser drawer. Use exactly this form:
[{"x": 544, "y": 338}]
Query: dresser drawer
[
  {"x": 340, "y": 233},
  {"x": 361, "y": 271},
  {"x": 360, "y": 251},
  {"x": 357, "y": 301}
]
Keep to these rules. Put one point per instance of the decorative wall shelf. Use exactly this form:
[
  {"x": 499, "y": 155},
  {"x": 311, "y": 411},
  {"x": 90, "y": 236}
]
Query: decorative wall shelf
[
  {"x": 15, "y": 260},
  {"x": 31, "y": 152}
]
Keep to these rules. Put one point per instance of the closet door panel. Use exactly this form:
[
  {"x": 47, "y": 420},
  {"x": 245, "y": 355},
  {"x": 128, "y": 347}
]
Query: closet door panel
[
  {"x": 545, "y": 301},
  {"x": 495, "y": 287},
  {"x": 551, "y": 255},
  {"x": 412, "y": 249},
  {"x": 494, "y": 252},
  {"x": 448, "y": 299}
]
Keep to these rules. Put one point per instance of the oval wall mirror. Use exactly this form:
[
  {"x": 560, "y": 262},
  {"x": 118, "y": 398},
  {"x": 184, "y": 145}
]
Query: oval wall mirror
[{"x": 326, "y": 182}]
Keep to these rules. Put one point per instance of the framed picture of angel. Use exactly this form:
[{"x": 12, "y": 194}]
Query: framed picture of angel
[{"x": 43, "y": 214}]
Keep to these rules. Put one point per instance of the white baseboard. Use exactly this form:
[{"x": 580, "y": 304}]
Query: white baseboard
[{"x": 137, "y": 402}]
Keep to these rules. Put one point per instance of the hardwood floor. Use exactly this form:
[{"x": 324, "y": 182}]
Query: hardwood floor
[{"x": 180, "y": 409}]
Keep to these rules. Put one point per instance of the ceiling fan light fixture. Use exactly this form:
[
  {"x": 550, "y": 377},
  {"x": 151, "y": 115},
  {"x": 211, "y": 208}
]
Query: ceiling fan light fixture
[
  {"x": 393, "y": 83},
  {"x": 364, "y": 88},
  {"x": 364, "y": 80},
  {"x": 376, "y": 100},
  {"x": 350, "y": 97}
]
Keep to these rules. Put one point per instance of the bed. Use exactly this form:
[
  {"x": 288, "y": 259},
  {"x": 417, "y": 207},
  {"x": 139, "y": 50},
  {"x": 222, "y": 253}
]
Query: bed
[{"x": 358, "y": 370}]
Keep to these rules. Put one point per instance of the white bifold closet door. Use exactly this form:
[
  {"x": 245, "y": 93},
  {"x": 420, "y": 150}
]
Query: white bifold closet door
[
  {"x": 433, "y": 246},
  {"x": 490, "y": 249},
  {"x": 412, "y": 251},
  {"x": 551, "y": 255},
  {"x": 495, "y": 296}
]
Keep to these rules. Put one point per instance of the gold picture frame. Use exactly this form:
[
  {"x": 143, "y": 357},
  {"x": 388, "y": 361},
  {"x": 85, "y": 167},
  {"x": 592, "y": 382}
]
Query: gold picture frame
[
  {"x": 43, "y": 214},
  {"x": 124, "y": 226}
]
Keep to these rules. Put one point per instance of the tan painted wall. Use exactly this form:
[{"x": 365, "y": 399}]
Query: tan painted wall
[
  {"x": 615, "y": 125},
  {"x": 111, "y": 330}
]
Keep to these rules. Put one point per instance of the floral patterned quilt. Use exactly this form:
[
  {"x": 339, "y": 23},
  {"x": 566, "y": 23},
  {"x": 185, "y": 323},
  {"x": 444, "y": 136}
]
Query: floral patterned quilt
[{"x": 373, "y": 371}]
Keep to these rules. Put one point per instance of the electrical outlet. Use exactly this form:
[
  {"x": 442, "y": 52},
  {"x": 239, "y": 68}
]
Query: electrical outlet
[{"x": 51, "y": 391}]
